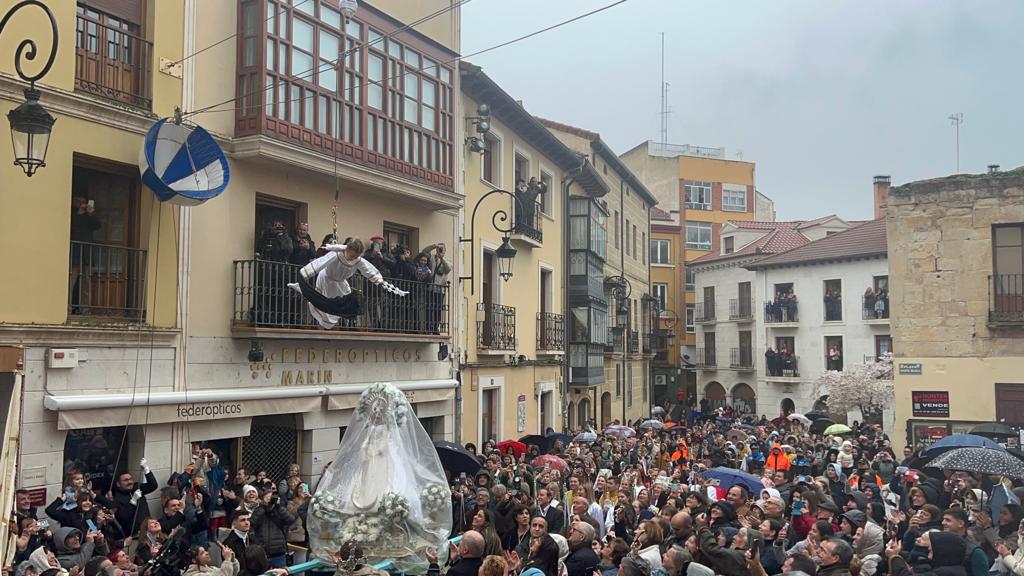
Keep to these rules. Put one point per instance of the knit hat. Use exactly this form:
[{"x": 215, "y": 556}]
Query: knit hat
[{"x": 248, "y": 488}]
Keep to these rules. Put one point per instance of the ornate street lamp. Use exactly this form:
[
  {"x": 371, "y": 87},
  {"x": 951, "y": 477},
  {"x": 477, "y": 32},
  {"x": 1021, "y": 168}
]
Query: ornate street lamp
[
  {"x": 31, "y": 124},
  {"x": 506, "y": 253}
]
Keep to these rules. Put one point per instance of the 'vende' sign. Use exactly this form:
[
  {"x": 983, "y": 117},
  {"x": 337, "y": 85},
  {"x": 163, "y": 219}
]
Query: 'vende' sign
[{"x": 934, "y": 404}]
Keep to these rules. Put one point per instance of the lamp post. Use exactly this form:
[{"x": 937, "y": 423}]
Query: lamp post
[
  {"x": 620, "y": 290},
  {"x": 31, "y": 124},
  {"x": 506, "y": 253}
]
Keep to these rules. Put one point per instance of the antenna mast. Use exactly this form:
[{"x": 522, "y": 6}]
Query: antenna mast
[
  {"x": 664, "y": 96},
  {"x": 957, "y": 119}
]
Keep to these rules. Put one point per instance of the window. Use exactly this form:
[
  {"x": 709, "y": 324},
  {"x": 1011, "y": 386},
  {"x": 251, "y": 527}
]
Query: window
[
  {"x": 617, "y": 244},
  {"x": 660, "y": 252},
  {"x": 690, "y": 310},
  {"x": 833, "y": 300},
  {"x": 698, "y": 235},
  {"x": 883, "y": 345},
  {"x": 629, "y": 385},
  {"x": 643, "y": 386},
  {"x": 625, "y": 239},
  {"x": 834, "y": 353},
  {"x": 728, "y": 245},
  {"x": 643, "y": 240},
  {"x": 734, "y": 199},
  {"x": 634, "y": 241},
  {"x": 399, "y": 234},
  {"x": 618, "y": 380},
  {"x": 691, "y": 279},
  {"x": 522, "y": 168},
  {"x": 698, "y": 195},
  {"x": 491, "y": 159},
  {"x": 881, "y": 283},
  {"x": 661, "y": 293},
  {"x": 546, "y": 196},
  {"x": 1008, "y": 253},
  {"x": 546, "y": 290}
]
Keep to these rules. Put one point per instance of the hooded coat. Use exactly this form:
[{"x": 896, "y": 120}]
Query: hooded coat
[
  {"x": 79, "y": 557},
  {"x": 947, "y": 558},
  {"x": 776, "y": 460},
  {"x": 725, "y": 561}
]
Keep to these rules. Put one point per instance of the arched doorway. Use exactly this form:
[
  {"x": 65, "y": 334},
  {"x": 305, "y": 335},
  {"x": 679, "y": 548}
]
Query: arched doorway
[
  {"x": 606, "y": 408},
  {"x": 787, "y": 406},
  {"x": 583, "y": 407},
  {"x": 714, "y": 393},
  {"x": 743, "y": 398},
  {"x": 821, "y": 404},
  {"x": 570, "y": 410}
]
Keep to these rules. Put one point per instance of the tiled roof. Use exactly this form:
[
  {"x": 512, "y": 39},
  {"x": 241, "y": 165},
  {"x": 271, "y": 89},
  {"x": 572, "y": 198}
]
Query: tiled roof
[
  {"x": 780, "y": 236},
  {"x": 659, "y": 214},
  {"x": 860, "y": 241},
  {"x": 561, "y": 127},
  {"x": 817, "y": 221}
]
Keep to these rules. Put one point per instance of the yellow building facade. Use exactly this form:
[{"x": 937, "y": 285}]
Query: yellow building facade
[{"x": 514, "y": 334}]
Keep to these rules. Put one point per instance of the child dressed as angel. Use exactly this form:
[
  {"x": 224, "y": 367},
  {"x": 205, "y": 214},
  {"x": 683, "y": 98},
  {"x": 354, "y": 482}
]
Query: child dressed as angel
[{"x": 332, "y": 297}]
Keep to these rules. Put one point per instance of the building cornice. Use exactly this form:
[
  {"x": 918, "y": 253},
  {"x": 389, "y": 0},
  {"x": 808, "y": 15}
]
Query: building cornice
[
  {"x": 266, "y": 148},
  {"x": 71, "y": 335},
  {"x": 818, "y": 261}
]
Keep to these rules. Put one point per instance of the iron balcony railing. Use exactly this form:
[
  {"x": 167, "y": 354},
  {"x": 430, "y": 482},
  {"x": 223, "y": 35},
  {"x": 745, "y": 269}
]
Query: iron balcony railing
[
  {"x": 529, "y": 221},
  {"x": 781, "y": 311},
  {"x": 107, "y": 281},
  {"x": 706, "y": 358},
  {"x": 704, "y": 311},
  {"x": 616, "y": 341},
  {"x": 550, "y": 331},
  {"x": 836, "y": 363},
  {"x": 741, "y": 309},
  {"x": 741, "y": 359},
  {"x": 648, "y": 342},
  {"x": 875, "y": 307},
  {"x": 262, "y": 299},
  {"x": 1007, "y": 298},
  {"x": 112, "y": 60},
  {"x": 834, "y": 309},
  {"x": 634, "y": 342},
  {"x": 496, "y": 326},
  {"x": 782, "y": 365},
  {"x": 869, "y": 358}
]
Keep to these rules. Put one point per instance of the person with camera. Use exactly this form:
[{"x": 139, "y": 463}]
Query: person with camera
[
  {"x": 303, "y": 246},
  {"x": 202, "y": 564},
  {"x": 270, "y": 524}
]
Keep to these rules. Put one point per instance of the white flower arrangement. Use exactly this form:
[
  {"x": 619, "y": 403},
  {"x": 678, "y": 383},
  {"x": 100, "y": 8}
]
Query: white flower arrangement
[
  {"x": 379, "y": 399},
  {"x": 433, "y": 498},
  {"x": 362, "y": 529},
  {"x": 394, "y": 508},
  {"x": 326, "y": 507}
]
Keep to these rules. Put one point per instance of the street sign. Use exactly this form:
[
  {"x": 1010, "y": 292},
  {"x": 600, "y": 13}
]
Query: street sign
[
  {"x": 908, "y": 369},
  {"x": 933, "y": 404}
]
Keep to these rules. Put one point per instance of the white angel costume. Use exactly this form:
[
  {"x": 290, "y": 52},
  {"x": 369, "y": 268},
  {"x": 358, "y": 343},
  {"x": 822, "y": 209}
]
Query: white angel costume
[
  {"x": 385, "y": 491},
  {"x": 332, "y": 271}
]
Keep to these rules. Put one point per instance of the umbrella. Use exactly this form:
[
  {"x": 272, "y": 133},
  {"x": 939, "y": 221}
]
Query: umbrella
[
  {"x": 658, "y": 424},
  {"x": 779, "y": 421},
  {"x": 587, "y": 437},
  {"x": 730, "y": 476},
  {"x": 551, "y": 461},
  {"x": 555, "y": 436},
  {"x": 456, "y": 459},
  {"x": 542, "y": 443},
  {"x": 619, "y": 431},
  {"x": 800, "y": 418},
  {"x": 980, "y": 460},
  {"x": 837, "y": 430},
  {"x": 959, "y": 441},
  {"x": 657, "y": 410},
  {"x": 993, "y": 430},
  {"x": 820, "y": 425},
  {"x": 816, "y": 415},
  {"x": 516, "y": 448},
  {"x": 670, "y": 425},
  {"x": 736, "y": 435},
  {"x": 746, "y": 427}
]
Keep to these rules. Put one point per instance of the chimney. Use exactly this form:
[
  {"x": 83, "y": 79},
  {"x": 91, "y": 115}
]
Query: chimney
[
  {"x": 881, "y": 191},
  {"x": 993, "y": 168}
]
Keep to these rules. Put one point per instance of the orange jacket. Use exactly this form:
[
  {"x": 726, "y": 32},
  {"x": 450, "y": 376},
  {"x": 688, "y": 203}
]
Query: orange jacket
[{"x": 776, "y": 459}]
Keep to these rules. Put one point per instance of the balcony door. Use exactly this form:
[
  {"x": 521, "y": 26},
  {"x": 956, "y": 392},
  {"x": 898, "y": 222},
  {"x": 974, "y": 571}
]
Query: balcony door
[
  {"x": 488, "y": 297},
  {"x": 110, "y": 51}
]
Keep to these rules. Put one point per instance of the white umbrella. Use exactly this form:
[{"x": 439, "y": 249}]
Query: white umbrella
[
  {"x": 657, "y": 424},
  {"x": 588, "y": 437},
  {"x": 657, "y": 410},
  {"x": 800, "y": 418}
]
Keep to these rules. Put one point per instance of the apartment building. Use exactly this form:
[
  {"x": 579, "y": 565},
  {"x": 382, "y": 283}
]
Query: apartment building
[{"x": 668, "y": 367}]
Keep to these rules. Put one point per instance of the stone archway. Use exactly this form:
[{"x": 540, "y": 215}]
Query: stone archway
[
  {"x": 744, "y": 400},
  {"x": 606, "y": 409},
  {"x": 787, "y": 406},
  {"x": 570, "y": 410},
  {"x": 583, "y": 407},
  {"x": 714, "y": 393}
]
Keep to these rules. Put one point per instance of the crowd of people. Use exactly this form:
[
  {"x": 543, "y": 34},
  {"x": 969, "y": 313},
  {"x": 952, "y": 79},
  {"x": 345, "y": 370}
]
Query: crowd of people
[
  {"x": 783, "y": 308},
  {"x": 876, "y": 303},
  {"x": 781, "y": 362},
  {"x": 722, "y": 494}
]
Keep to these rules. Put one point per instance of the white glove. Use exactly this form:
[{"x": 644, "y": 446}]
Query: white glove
[
  {"x": 135, "y": 497},
  {"x": 144, "y": 465},
  {"x": 336, "y": 247}
]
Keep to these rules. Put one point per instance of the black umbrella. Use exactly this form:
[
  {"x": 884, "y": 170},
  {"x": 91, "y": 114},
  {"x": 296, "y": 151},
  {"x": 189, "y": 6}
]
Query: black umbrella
[
  {"x": 815, "y": 415},
  {"x": 456, "y": 459},
  {"x": 543, "y": 443},
  {"x": 980, "y": 460},
  {"x": 993, "y": 430},
  {"x": 819, "y": 425}
]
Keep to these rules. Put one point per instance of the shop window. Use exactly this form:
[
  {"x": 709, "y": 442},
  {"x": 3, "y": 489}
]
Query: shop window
[
  {"x": 99, "y": 454},
  {"x": 271, "y": 446}
]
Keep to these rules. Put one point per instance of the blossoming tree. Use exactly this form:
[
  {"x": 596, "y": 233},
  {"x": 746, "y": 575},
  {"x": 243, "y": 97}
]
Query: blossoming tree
[{"x": 867, "y": 387}]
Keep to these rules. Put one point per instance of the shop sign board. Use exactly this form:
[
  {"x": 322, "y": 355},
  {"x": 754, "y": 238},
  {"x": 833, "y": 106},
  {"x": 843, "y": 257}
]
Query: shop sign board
[{"x": 930, "y": 404}]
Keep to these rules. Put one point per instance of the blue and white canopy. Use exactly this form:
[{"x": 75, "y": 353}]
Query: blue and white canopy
[{"x": 182, "y": 165}]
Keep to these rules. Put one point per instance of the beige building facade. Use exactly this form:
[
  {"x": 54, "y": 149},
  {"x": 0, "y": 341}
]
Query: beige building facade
[{"x": 956, "y": 266}]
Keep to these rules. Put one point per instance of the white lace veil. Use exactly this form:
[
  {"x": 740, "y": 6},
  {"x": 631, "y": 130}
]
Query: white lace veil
[{"x": 385, "y": 490}]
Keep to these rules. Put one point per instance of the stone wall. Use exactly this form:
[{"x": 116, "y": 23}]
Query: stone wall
[{"x": 940, "y": 259}]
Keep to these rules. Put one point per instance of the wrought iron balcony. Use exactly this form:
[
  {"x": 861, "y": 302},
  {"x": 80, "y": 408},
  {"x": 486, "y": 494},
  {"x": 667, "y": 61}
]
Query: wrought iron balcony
[
  {"x": 616, "y": 341},
  {"x": 112, "y": 60},
  {"x": 496, "y": 326},
  {"x": 741, "y": 359},
  {"x": 107, "y": 282},
  {"x": 705, "y": 359},
  {"x": 530, "y": 222},
  {"x": 834, "y": 309},
  {"x": 1007, "y": 298},
  {"x": 741, "y": 309},
  {"x": 781, "y": 312},
  {"x": 262, "y": 299},
  {"x": 550, "y": 331},
  {"x": 782, "y": 366},
  {"x": 704, "y": 312},
  {"x": 634, "y": 342},
  {"x": 875, "y": 307}
]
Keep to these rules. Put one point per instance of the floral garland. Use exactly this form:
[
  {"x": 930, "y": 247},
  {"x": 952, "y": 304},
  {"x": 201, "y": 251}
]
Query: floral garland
[
  {"x": 362, "y": 529},
  {"x": 433, "y": 498},
  {"x": 394, "y": 508},
  {"x": 380, "y": 398}
]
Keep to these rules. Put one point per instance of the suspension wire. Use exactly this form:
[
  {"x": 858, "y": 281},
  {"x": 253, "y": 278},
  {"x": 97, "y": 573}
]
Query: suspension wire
[
  {"x": 380, "y": 82},
  {"x": 320, "y": 67}
]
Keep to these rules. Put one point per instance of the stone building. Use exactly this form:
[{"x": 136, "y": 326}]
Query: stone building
[{"x": 957, "y": 266}]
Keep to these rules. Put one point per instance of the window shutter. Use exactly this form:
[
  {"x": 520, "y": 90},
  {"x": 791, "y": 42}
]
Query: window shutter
[{"x": 130, "y": 10}]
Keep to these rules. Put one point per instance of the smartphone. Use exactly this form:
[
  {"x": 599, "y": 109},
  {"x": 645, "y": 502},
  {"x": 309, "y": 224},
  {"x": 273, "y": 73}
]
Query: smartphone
[
  {"x": 92, "y": 525},
  {"x": 91, "y": 203}
]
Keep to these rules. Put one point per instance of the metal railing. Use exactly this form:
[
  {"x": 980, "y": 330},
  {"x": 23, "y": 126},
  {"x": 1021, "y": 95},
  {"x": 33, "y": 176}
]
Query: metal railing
[
  {"x": 833, "y": 309},
  {"x": 529, "y": 221},
  {"x": 705, "y": 358},
  {"x": 634, "y": 342},
  {"x": 875, "y": 307},
  {"x": 781, "y": 311},
  {"x": 112, "y": 61},
  {"x": 107, "y": 281},
  {"x": 550, "y": 331},
  {"x": 741, "y": 309},
  {"x": 616, "y": 341},
  {"x": 648, "y": 342},
  {"x": 834, "y": 364},
  {"x": 785, "y": 366},
  {"x": 496, "y": 326},
  {"x": 741, "y": 359},
  {"x": 704, "y": 312},
  {"x": 869, "y": 358},
  {"x": 262, "y": 299},
  {"x": 1007, "y": 298}
]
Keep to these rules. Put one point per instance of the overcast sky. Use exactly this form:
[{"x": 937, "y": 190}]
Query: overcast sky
[{"x": 821, "y": 94}]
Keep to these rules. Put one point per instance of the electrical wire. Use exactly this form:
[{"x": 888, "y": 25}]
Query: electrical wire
[
  {"x": 380, "y": 82},
  {"x": 320, "y": 67},
  {"x": 235, "y": 35}
]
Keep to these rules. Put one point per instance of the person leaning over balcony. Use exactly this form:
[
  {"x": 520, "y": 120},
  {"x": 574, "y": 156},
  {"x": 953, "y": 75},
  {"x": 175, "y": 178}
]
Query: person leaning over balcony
[
  {"x": 378, "y": 255},
  {"x": 435, "y": 303},
  {"x": 84, "y": 224}
]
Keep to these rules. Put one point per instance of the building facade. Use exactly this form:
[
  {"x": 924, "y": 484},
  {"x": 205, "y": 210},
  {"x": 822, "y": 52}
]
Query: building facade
[
  {"x": 515, "y": 333},
  {"x": 701, "y": 189},
  {"x": 668, "y": 368},
  {"x": 623, "y": 304},
  {"x": 958, "y": 303}
]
